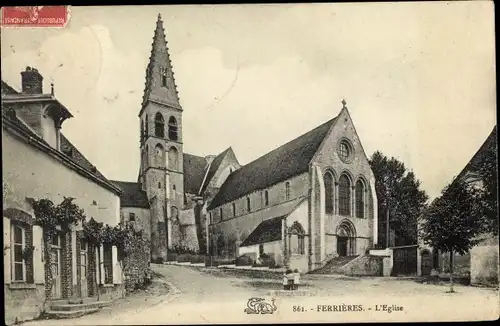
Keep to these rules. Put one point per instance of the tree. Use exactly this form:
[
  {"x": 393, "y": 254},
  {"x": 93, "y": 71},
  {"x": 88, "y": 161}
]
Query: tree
[
  {"x": 399, "y": 198},
  {"x": 453, "y": 221}
]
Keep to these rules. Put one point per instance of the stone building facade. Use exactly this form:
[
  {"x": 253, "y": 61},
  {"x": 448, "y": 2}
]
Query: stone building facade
[
  {"x": 40, "y": 162},
  {"x": 306, "y": 202}
]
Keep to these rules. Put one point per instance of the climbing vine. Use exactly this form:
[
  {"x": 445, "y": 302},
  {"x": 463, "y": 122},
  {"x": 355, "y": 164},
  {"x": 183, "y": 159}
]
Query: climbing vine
[{"x": 49, "y": 216}]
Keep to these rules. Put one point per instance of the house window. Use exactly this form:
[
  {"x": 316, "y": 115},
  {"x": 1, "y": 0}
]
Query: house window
[
  {"x": 328, "y": 193},
  {"x": 344, "y": 196},
  {"x": 261, "y": 249},
  {"x": 287, "y": 190},
  {"x": 159, "y": 185},
  {"x": 18, "y": 241},
  {"x": 159, "y": 125},
  {"x": 83, "y": 257},
  {"x": 108, "y": 264},
  {"x": 266, "y": 198},
  {"x": 248, "y": 204},
  {"x": 234, "y": 209},
  {"x": 360, "y": 199},
  {"x": 131, "y": 217},
  {"x": 172, "y": 129}
]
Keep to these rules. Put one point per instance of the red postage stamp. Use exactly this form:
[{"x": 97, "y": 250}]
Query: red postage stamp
[{"x": 35, "y": 16}]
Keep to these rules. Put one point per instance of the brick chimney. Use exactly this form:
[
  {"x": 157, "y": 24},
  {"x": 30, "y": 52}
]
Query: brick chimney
[{"x": 32, "y": 81}]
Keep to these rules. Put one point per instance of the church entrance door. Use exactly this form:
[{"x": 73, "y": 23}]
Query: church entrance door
[{"x": 342, "y": 246}]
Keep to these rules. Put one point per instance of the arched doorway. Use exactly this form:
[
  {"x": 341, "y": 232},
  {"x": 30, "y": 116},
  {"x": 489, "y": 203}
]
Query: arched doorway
[
  {"x": 426, "y": 262},
  {"x": 346, "y": 239}
]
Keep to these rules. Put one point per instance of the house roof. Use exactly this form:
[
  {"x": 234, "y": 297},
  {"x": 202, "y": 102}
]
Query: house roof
[
  {"x": 67, "y": 147},
  {"x": 289, "y": 160},
  {"x": 267, "y": 231},
  {"x": 7, "y": 89},
  {"x": 132, "y": 194},
  {"x": 489, "y": 143},
  {"x": 194, "y": 171},
  {"x": 77, "y": 158}
]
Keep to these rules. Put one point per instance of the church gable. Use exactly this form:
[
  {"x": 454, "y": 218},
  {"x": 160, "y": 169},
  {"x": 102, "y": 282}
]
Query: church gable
[
  {"x": 342, "y": 149},
  {"x": 220, "y": 168}
]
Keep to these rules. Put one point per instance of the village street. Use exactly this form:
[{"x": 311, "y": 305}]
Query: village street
[{"x": 199, "y": 295}]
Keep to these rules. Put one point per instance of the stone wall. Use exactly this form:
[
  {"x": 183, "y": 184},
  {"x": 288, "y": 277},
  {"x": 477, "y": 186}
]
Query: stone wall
[
  {"x": 484, "y": 262},
  {"x": 136, "y": 264},
  {"x": 24, "y": 302}
]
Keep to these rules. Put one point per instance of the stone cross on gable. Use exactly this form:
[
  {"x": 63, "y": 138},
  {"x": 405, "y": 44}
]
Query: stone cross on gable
[{"x": 344, "y": 104}]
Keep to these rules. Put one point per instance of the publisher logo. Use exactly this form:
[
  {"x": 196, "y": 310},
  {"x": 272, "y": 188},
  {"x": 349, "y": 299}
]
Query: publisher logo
[{"x": 35, "y": 16}]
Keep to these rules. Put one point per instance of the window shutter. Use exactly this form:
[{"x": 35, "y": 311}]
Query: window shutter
[
  {"x": 38, "y": 264},
  {"x": 116, "y": 266},
  {"x": 101, "y": 265},
  {"x": 73, "y": 257},
  {"x": 6, "y": 252}
]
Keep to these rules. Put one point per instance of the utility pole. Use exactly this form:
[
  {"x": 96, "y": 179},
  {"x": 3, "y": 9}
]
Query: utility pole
[{"x": 387, "y": 224}]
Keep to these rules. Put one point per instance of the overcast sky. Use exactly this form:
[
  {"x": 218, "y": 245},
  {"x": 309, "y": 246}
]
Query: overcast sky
[{"x": 418, "y": 78}]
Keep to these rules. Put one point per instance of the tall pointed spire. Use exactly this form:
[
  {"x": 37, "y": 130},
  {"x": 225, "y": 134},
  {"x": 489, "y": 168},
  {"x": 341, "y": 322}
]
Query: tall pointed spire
[{"x": 160, "y": 84}]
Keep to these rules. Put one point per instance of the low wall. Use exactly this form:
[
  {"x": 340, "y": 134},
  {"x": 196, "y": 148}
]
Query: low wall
[
  {"x": 23, "y": 304},
  {"x": 364, "y": 265},
  {"x": 387, "y": 259},
  {"x": 484, "y": 264}
]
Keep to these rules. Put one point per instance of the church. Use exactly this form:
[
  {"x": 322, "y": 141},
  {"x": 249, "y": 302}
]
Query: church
[{"x": 304, "y": 203}]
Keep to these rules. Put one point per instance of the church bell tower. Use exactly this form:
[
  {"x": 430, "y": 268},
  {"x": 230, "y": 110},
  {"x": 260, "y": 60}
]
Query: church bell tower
[{"x": 161, "y": 172}]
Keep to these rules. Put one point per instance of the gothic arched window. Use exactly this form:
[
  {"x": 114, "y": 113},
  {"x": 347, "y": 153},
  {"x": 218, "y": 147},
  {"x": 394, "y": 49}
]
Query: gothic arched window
[
  {"x": 172, "y": 129},
  {"x": 297, "y": 234},
  {"x": 360, "y": 199},
  {"x": 344, "y": 196},
  {"x": 173, "y": 159},
  {"x": 328, "y": 178},
  {"x": 287, "y": 190},
  {"x": 159, "y": 151},
  {"x": 146, "y": 129},
  {"x": 249, "y": 208},
  {"x": 234, "y": 209},
  {"x": 159, "y": 125},
  {"x": 266, "y": 198}
]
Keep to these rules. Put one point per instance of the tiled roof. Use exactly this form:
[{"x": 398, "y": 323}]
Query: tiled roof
[
  {"x": 74, "y": 154},
  {"x": 7, "y": 89},
  {"x": 214, "y": 167},
  {"x": 286, "y": 161},
  {"x": 489, "y": 143},
  {"x": 267, "y": 231},
  {"x": 77, "y": 157},
  {"x": 194, "y": 172},
  {"x": 132, "y": 194}
]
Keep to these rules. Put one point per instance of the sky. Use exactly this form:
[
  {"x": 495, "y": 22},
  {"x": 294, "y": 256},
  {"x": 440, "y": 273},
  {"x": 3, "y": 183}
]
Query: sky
[{"x": 418, "y": 78}]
